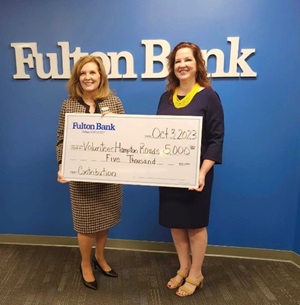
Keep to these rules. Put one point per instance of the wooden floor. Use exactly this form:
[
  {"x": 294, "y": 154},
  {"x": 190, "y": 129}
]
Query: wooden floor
[{"x": 32, "y": 275}]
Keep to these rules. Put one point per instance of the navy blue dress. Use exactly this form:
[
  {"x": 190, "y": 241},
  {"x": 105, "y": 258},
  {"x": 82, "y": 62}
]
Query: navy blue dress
[{"x": 179, "y": 207}]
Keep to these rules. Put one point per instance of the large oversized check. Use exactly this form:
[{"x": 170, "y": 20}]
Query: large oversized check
[{"x": 132, "y": 149}]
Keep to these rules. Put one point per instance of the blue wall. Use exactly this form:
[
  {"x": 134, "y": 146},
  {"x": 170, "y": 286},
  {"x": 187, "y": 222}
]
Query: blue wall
[
  {"x": 256, "y": 191},
  {"x": 297, "y": 233}
]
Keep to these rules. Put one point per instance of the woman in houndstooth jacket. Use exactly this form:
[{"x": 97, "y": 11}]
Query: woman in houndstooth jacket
[{"x": 96, "y": 207}]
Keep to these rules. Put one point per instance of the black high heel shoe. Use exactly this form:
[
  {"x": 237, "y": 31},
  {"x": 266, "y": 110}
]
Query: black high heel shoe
[
  {"x": 110, "y": 273},
  {"x": 91, "y": 285}
]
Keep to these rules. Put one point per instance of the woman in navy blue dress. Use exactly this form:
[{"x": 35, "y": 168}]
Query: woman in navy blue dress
[{"x": 186, "y": 211}]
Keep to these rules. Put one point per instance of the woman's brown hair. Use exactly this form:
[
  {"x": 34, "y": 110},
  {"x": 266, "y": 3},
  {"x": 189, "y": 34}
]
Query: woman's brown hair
[
  {"x": 201, "y": 74},
  {"x": 74, "y": 87}
]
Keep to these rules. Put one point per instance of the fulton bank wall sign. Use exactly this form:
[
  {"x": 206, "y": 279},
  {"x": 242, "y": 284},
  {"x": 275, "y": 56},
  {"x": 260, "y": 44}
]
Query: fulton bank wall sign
[{"x": 28, "y": 57}]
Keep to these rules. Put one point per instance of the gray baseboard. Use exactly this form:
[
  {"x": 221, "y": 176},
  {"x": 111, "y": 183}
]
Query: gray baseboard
[{"x": 168, "y": 247}]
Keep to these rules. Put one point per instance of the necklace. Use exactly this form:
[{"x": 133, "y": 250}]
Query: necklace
[{"x": 180, "y": 103}]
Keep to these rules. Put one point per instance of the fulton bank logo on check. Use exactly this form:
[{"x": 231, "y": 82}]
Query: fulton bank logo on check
[{"x": 96, "y": 126}]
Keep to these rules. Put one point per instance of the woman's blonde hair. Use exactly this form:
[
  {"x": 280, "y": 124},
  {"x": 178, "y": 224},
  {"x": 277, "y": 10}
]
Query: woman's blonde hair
[{"x": 74, "y": 88}]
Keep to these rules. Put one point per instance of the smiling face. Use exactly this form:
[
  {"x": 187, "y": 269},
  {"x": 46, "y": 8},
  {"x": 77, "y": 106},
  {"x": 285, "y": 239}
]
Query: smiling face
[
  {"x": 185, "y": 65},
  {"x": 89, "y": 78}
]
